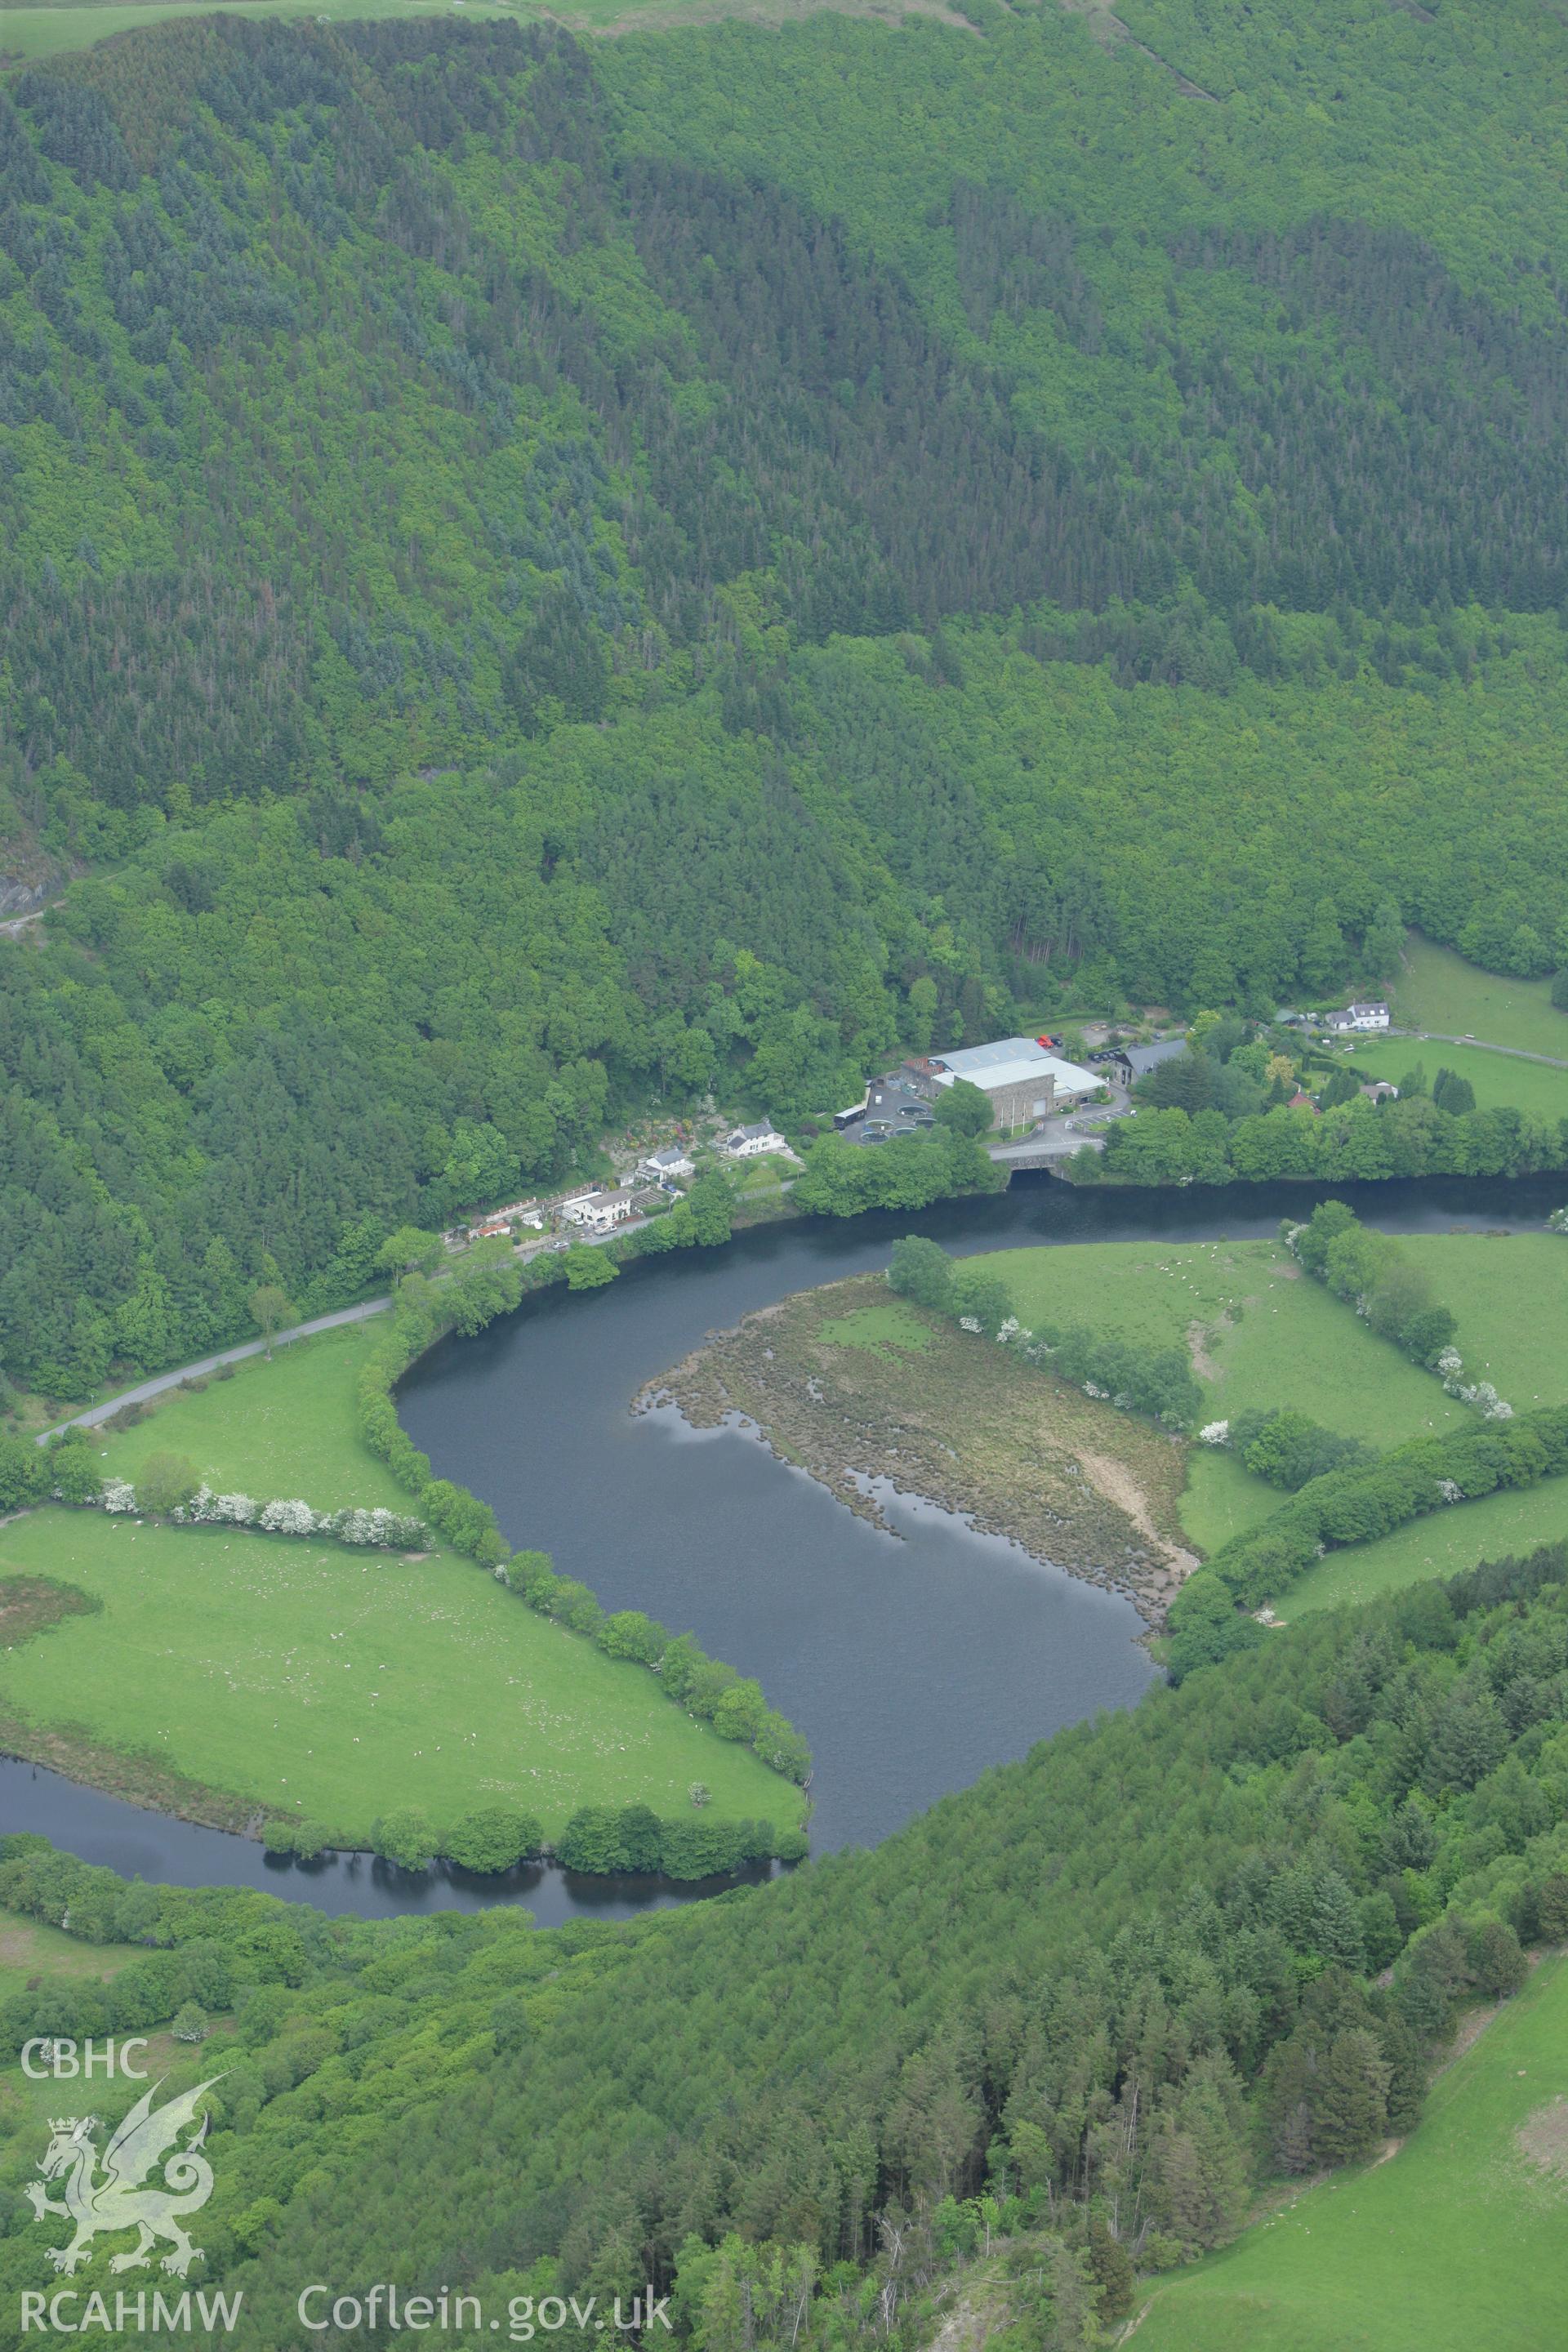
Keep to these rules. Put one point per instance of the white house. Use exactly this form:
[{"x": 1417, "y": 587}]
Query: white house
[
  {"x": 601, "y": 1212},
  {"x": 752, "y": 1142},
  {"x": 574, "y": 1209},
  {"x": 664, "y": 1167},
  {"x": 1358, "y": 1016}
]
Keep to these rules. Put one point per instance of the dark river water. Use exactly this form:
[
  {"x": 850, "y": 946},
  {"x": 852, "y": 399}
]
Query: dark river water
[{"x": 911, "y": 1662}]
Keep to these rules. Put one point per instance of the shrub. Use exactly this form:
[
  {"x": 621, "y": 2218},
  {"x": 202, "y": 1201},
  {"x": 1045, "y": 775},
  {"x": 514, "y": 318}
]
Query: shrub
[
  {"x": 74, "y": 1470},
  {"x": 629, "y": 1633},
  {"x": 403, "y": 1836},
  {"x": 588, "y": 1268},
  {"x": 922, "y": 1270},
  {"x": 592, "y": 1841},
  {"x": 288, "y": 1517},
  {"x": 1289, "y": 1448},
  {"x": 306, "y": 1841},
  {"x": 493, "y": 1838}
]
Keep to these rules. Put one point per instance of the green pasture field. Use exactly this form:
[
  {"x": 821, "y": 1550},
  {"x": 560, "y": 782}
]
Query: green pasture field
[
  {"x": 1440, "y": 991},
  {"x": 1457, "y": 2243},
  {"x": 315, "y": 1679},
  {"x": 1509, "y": 1294},
  {"x": 30, "y": 1947},
  {"x": 1501, "y": 1081},
  {"x": 1289, "y": 1343},
  {"x": 1514, "y": 1522},
  {"x": 281, "y": 1428}
]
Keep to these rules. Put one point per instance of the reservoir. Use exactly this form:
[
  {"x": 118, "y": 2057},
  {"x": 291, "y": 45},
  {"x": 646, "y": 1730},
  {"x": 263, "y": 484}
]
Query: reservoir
[{"x": 910, "y": 1661}]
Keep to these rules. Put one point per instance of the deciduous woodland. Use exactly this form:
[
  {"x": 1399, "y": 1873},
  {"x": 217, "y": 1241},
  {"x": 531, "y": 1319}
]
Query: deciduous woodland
[
  {"x": 533, "y": 581},
  {"x": 557, "y": 596}
]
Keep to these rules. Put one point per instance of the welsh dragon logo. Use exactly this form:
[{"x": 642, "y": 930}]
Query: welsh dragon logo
[{"x": 115, "y": 2198}]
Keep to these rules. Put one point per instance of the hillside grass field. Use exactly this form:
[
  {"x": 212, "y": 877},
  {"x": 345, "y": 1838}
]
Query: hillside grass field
[
  {"x": 1438, "y": 991},
  {"x": 1501, "y": 1081},
  {"x": 302, "y": 1677},
  {"x": 1458, "y": 2242},
  {"x": 30, "y": 33},
  {"x": 1509, "y": 1294},
  {"x": 1443, "y": 1543}
]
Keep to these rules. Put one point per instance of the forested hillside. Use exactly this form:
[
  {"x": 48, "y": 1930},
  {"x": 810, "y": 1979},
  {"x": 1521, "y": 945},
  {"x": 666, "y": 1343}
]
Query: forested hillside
[
  {"x": 533, "y": 579},
  {"x": 1105, "y": 1990}
]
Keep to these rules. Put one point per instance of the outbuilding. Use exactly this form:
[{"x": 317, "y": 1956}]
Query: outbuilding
[{"x": 1131, "y": 1062}]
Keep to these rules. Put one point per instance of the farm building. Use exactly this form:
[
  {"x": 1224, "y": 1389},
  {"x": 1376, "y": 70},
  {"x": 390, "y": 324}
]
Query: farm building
[{"x": 1357, "y": 1016}]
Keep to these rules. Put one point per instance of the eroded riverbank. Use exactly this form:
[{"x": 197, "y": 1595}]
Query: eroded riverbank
[{"x": 858, "y": 1387}]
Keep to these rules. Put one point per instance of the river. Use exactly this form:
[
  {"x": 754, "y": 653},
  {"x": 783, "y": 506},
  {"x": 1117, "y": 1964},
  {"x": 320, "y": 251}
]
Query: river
[{"x": 910, "y": 1661}]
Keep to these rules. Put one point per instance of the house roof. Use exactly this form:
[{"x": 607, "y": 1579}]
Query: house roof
[
  {"x": 980, "y": 1062},
  {"x": 1065, "y": 1077},
  {"x": 671, "y": 1156},
  {"x": 1142, "y": 1059},
  {"x": 751, "y": 1134}
]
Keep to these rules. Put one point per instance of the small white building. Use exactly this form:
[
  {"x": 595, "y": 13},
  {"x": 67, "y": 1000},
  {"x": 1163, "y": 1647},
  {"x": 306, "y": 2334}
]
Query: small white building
[
  {"x": 1358, "y": 1016},
  {"x": 753, "y": 1142},
  {"x": 664, "y": 1167},
  {"x": 501, "y": 1220},
  {"x": 601, "y": 1212}
]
